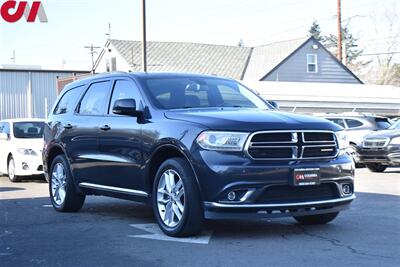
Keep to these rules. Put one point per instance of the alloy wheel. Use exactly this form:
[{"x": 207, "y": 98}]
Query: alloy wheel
[
  {"x": 170, "y": 198},
  {"x": 58, "y": 184},
  {"x": 11, "y": 169}
]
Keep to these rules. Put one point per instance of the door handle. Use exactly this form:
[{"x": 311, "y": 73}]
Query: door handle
[
  {"x": 67, "y": 126},
  {"x": 105, "y": 128}
]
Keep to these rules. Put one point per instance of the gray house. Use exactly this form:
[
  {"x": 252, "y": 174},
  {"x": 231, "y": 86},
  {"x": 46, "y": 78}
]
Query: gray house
[{"x": 298, "y": 60}]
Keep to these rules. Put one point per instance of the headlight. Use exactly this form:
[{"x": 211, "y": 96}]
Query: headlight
[
  {"x": 27, "y": 151},
  {"x": 222, "y": 141},
  {"x": 395, "y": 141},
  {"x": 343, "y": 140}
]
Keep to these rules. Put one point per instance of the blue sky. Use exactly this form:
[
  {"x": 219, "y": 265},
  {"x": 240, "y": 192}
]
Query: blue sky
[{"x": 74, "y": 24}]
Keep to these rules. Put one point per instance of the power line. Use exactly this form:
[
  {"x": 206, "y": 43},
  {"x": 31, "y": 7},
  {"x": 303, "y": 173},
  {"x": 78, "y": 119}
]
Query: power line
[{"x": 382, "y": 53}]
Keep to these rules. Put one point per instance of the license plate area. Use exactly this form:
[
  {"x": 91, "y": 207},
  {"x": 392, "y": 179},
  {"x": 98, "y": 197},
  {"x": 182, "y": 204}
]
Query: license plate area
[{"x": 306, "y": 176}]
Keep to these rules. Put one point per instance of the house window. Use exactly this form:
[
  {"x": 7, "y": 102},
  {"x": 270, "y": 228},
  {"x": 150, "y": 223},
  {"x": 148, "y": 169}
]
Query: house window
[{"x": 312, "y": 63}]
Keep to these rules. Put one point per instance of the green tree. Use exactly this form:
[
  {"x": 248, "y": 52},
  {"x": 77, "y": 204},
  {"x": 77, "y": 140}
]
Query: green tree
[
  {"x": 315, "y": 31},
  {"x": 349, "y": 45}
]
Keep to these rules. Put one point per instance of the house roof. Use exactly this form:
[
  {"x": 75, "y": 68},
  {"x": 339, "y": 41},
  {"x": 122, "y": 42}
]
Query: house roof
[
  {"x": 244, "y": 63},
  {"x": 266, "y": 57},
  {"x": 221, "y": 60}
]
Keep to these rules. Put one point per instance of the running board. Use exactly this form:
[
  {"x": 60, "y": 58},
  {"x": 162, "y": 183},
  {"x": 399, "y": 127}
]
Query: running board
[{"x": 114, "y": 189}]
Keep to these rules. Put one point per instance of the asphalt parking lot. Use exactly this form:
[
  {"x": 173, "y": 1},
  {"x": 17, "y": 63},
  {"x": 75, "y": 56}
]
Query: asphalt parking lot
[{"x": 110, "y": 232}]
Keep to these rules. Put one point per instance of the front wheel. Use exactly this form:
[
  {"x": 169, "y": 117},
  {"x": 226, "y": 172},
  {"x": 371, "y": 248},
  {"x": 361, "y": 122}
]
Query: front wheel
[
  {"x": 63, "y": 194},
  {"x": 11, "y": 171},
  {"x": 316, "y": 219},
  {"x": 176, "y": 199},
  {"x": 376, "y": 167}
]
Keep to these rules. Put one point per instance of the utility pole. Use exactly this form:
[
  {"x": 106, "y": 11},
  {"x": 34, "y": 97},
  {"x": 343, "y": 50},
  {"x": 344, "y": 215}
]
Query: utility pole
[
  {"x": 109, "y": 31},
  {"x": 339, "y": 21},
  {"x": 92, "y": 52},
  {"x": 13, "y": 58},
  {"x": 144, "y": 52}
]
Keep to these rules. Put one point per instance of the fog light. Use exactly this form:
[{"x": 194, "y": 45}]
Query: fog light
[
  {"x": 231, "y": 196},
  {"x": 346, "y": 189},
  {"x": 25, "y": 166}
]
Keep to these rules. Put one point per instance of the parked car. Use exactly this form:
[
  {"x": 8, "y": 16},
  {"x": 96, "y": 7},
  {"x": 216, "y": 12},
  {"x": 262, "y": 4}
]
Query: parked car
[
  {"x": 357, "y": 126},
  {"x": 195, "y": 147},
  {"x": 381, "y": 149},
  {"x": 21, "y": 145}
]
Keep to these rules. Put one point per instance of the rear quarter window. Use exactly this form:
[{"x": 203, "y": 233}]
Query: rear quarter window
[
  {"x": 68, "y": 101},
  {"x": 353, "y": 123}
]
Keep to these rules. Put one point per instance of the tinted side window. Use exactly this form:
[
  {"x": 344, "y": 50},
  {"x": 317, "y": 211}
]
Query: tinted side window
[
  {"x": 5, "y": 128},
  {"x": 338, "y": 121},
  {"x": 95, "y": 100},
  {"x": 125, "y": 89},
  {"x": 382, "y": 123},
  {"x": 68, "y": 101},
  {"x": 353, "y": 123}
]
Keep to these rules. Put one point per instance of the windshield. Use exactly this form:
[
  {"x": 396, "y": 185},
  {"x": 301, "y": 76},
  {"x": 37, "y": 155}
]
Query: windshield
[
  {"x": 176, "y": 93},
  {"x": 28, "y": 129},
  {"x": 396, "y": 126},
  {"x": 382, "y": 123}
]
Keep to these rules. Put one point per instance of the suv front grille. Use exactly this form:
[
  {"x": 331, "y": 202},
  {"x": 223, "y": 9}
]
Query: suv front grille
[
  {"x": 289, "y": 145},
  {"x": 376, "y": 142}
]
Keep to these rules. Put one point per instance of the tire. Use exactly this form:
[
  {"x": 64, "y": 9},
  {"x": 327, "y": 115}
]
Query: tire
[
  {"x": 376, "y": 167},
  {"x": 63, "y": 194},
  {"x": 168, "y": 199},
  {"x": 316, "y": 219},
  {"x": 354, "y": 155},
  {"x": 11, "y": 171}
]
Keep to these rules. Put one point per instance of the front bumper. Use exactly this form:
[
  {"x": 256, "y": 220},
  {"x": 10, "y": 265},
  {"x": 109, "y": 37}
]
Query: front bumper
[
  {"x": 213, "y": 210},
  {"x": 258, "y": 184},
  {"x": 389, "y": 155},
  {"x": 26, "y": 165}
]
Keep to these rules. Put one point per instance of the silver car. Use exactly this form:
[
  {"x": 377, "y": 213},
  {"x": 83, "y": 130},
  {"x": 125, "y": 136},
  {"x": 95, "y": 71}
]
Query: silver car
[{"x": 357, "y": 127}]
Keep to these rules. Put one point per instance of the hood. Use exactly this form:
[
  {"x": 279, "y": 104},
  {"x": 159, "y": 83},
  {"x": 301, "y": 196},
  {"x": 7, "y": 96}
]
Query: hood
[
  {"x": 235, "y": 119},
  {"x": 384, "y": 134}
]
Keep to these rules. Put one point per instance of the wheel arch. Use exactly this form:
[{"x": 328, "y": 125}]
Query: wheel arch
[
  {"x": 53, "y": 152},
  {"x": 161, "y": 154}
]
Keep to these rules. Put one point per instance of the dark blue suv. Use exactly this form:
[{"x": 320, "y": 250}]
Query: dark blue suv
[{"x": 194, "y": 147}]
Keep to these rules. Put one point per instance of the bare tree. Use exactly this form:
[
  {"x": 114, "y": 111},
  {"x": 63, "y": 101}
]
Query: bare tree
[{"x": 387, "y": 70}]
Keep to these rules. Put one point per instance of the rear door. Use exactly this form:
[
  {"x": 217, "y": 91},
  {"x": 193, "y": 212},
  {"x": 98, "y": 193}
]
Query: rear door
[
  {"x": 82, "y": 143},
  {"x": 120, "y": 142}
]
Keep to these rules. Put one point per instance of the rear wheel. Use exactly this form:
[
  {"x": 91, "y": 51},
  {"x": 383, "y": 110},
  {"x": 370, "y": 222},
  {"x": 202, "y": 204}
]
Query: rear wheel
[
  {"x": 176, "y": 200},
  {"x": 11, "y": 171},
  {"x": 316, "y": 219},
  {"x": 376, "y": 167},
  {"x": 63, "y": 194}
]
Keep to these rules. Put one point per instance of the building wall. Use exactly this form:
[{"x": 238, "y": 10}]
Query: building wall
[
  {"x": 106, "y": 60},
  {"x": 25, "y": 94},
  {"x": 294, "y": 69}
]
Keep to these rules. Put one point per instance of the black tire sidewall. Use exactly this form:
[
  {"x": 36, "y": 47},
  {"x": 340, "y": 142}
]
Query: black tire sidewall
[
  {"x": 191, "y": 195},
  {"x": 376, "y": 167},
  {"x": 70, "y": 192}
]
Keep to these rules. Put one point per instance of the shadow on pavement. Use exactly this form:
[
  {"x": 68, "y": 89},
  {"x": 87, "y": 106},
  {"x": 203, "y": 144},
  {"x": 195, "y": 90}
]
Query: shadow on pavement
[{"x": 8, "y": 189}]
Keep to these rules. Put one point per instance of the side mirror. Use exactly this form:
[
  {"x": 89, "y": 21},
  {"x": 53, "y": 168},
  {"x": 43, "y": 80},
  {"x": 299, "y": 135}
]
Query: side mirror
[
  {"x": 126, "y": 107},
  {"x": 3, "y": 136},
  {"x": 274, "y": 104}
]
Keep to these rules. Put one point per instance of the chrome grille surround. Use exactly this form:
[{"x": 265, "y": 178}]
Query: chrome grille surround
[
  {"x": 375, "y": 142},
  {"x": 298, "y": 144}
]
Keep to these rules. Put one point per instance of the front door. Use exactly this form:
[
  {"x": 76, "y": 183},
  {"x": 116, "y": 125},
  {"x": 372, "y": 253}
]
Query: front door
[{"x": 120, "y": 142}]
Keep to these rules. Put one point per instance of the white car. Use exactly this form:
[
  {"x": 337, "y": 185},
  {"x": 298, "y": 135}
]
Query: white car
[{"x": 21, "y": 145}]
